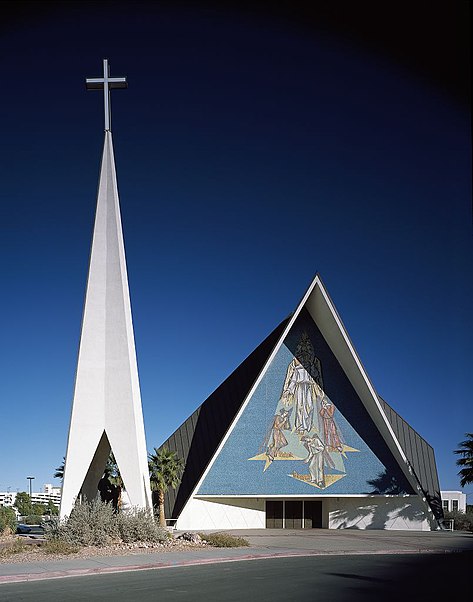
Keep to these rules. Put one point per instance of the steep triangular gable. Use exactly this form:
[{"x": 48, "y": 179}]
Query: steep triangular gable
[
  {"x": 323, "y": 313},
  {"x": 304, "y": 431},
  {"x": 398, "y": 474}
]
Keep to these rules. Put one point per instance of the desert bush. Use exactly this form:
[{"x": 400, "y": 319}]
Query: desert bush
[
  {"x": 57, "y": 546},
  {"x": 16, "y": 547},
  {"x": 89, "y": 524},
  {"x": 138, "y": 525},
  {"x": 7, "y": 520},
  {"x": 98, "y": 524},
  {"x": 224, "y": 540},
  {"x": 461, "y": 521}
]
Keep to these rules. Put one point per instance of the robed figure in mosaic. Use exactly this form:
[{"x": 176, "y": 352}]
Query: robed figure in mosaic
[
  {"x": 304, "y": 427},
  {"x": 277, "y": 439},
  {"x": 300, "y": 389},
  {"x": 331, "y": 433}
]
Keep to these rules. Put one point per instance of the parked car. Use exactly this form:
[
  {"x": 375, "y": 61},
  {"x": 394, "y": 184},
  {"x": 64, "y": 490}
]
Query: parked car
[{"x": 23, "y": 529}]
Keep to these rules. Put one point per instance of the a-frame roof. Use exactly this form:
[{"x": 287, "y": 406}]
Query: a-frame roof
[{"x": 199, "y": 439}]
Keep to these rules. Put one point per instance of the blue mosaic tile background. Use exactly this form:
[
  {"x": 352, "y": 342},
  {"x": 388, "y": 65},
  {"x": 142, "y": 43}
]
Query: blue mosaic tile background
[{"x": 233, "y": 473}]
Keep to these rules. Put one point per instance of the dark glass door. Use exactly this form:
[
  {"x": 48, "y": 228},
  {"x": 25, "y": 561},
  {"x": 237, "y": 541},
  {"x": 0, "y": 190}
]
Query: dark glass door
[
  {"x": 293, "y": 514},
  {"x": 274, "y": 514},
  {"x": 312, "y": 514}
]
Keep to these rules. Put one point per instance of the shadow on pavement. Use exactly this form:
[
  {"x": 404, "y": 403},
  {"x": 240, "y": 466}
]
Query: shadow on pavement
[{"x": 417, "y": 577}]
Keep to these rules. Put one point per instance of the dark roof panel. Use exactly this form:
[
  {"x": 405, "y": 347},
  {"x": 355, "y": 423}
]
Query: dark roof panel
[{"x": 420, "y": 456}]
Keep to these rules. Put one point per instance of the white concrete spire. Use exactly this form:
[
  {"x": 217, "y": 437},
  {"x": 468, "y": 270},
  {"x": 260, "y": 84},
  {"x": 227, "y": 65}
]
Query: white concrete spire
[{"x": 106, "y": 408}]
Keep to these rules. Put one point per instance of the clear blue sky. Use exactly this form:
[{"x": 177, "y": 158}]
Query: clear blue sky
[{"x": 252, "y": 150}]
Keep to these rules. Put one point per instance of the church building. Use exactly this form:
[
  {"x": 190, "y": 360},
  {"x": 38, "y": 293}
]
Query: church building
[{"x": 297, "y": 437}]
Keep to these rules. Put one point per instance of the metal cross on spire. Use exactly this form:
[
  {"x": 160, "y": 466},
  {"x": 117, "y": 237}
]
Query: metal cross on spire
[{"x": 106, "y": 83}]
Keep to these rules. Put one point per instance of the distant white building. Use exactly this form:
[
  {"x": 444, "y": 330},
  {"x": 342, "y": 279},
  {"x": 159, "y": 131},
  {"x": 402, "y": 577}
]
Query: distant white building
[
  {"x": 51, "y": 489},
  {"x": 7, "y": 498},
  {"x": 50, "y": 492},
  {"x": 453, "y": 501}
]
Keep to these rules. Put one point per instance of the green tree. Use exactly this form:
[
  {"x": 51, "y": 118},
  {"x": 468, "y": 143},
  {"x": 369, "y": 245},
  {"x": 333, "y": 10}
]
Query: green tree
[
  {"x": 165, "y": 470},
  {"x": 465, "y": 449},
  {"x": 7, "y": 520},
  {"x": 38, "y": 509},
  {"x": 51, "y": 508},
  {"x": 23, "y": 503}
]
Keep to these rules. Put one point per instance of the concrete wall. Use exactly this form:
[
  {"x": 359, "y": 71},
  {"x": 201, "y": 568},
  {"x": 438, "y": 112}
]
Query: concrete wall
[
  {"x": 393, "y": 513},
  {"x": 375, "y": 512},
  {"x": 224, "y": 513}
]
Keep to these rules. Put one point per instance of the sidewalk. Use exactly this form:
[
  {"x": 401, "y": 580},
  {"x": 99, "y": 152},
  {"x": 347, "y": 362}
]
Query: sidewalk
[{"x": 264, "y": 543}]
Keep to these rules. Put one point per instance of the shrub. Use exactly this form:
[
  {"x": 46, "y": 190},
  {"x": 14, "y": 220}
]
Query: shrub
[
  {"x": 33, "y": 519},
  {"x": 224, "y": 540},
  {"x": 57, "y": 546},
  {"x": 97, "y": 524},
  {"x": 461, "y": 521},
  {"x": 7, "y": 520},
  {"x": 14, "y": 548},
  {"x": 89, "y": 524},
  {"x": 138, "y": 525}
]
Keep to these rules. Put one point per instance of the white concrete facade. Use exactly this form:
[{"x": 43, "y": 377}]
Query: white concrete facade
[
  {"x": 106, "y": 409},
  {"x": 374, "y": 512},
  {"x": 453, "y": 501},
  {"x": 223, "y": 513},
  {"x": 397, "y": 513}
]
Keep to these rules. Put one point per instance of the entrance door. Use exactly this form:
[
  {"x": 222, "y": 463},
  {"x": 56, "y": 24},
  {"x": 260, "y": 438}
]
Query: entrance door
[
  {"x": 293, "y": 514},
  {"x": 312, "y": 514},
  {"x": 274, "y": 512}
]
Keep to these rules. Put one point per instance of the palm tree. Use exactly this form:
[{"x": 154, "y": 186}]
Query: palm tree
[
  {"x": 466, "y": 462},
  {"x": 165, "y": 470},
  {"x": 59, "y": 473}
]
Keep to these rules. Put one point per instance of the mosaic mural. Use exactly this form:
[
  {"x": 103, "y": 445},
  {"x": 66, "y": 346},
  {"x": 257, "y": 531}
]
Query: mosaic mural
[
  {"x": 304, "y": 427},
  {"x": 291, "y": 439}
]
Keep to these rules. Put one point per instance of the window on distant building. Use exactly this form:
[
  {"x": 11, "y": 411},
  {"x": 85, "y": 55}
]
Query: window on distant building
[
  {"x": 445, "y": 505},
  {"x": 454, "y": 505}
]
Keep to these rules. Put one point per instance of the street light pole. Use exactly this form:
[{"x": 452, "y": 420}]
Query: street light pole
[{"x": 30, "y": 479}]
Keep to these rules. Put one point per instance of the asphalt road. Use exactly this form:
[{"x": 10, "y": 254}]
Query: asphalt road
[{"x": 333, "y": 578}]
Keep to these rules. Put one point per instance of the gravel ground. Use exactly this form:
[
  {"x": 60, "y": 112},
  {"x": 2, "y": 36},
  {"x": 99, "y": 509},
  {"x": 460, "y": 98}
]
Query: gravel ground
[{"x": 33, "y": 552}]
